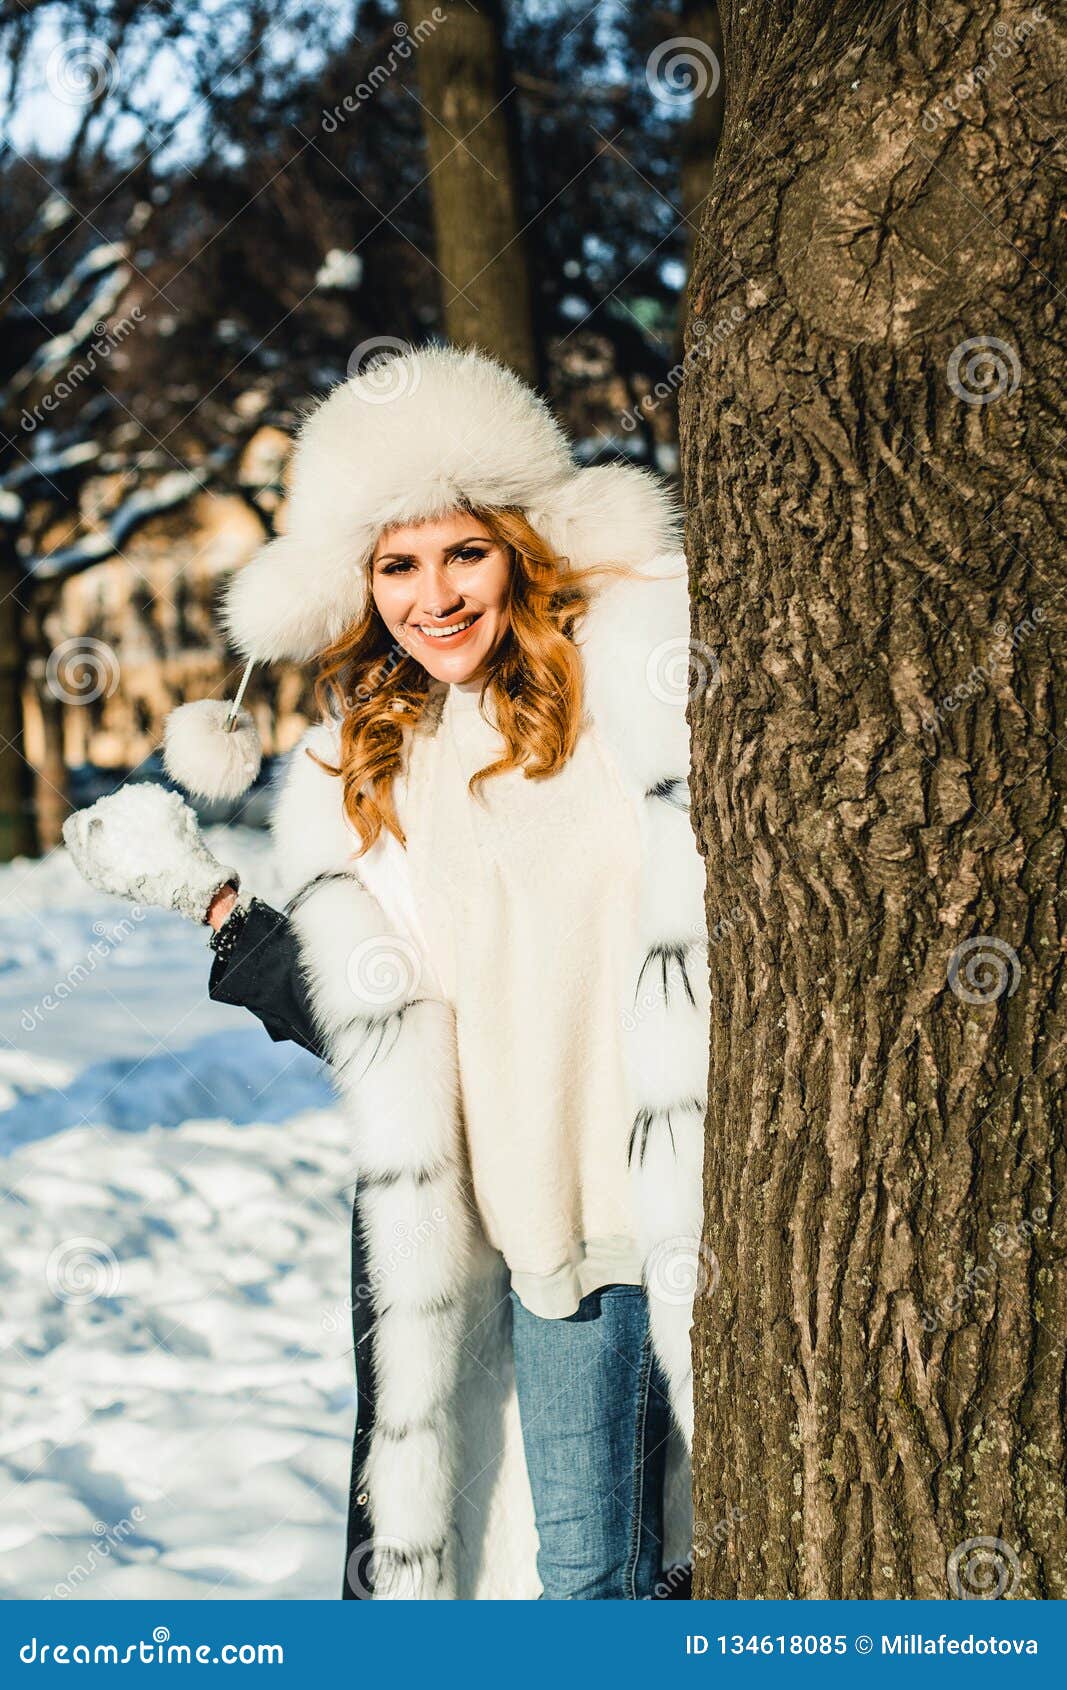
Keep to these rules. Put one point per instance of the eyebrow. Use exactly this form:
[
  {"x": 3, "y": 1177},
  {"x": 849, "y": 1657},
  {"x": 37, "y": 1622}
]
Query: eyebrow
[{"x": 456, "y": 546}]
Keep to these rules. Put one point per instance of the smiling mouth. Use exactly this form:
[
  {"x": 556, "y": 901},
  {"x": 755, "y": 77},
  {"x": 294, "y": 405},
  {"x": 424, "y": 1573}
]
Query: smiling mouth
[{"x": 449, "y": 635}]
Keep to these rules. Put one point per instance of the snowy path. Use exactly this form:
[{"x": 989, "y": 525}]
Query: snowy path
[{"x": 175, "y": 1356}]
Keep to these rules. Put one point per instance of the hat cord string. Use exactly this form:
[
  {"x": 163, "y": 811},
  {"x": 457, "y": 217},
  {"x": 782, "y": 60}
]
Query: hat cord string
[{"x": 231, "y": 720}]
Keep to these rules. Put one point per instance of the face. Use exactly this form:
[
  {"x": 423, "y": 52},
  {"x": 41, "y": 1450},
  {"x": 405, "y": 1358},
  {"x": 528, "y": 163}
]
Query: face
[{"x": 438, "y": 576}]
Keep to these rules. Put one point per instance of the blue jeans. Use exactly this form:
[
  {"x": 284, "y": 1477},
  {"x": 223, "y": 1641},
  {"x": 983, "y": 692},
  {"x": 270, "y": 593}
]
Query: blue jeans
[{"x": 595, "y": 1416}]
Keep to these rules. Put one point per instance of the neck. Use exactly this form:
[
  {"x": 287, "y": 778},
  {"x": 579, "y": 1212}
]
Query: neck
[{"x": 464, "y": 700}]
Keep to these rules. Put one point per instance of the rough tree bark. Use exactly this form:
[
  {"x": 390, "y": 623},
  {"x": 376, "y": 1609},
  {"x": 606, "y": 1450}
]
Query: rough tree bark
[
  {"x": 469, "y": 122},
  {"x": 878, "y": 571}
]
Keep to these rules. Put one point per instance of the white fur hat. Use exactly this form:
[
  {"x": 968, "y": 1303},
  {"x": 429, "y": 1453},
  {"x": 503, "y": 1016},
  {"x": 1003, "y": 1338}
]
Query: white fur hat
[{"x": 411, "y": 437}]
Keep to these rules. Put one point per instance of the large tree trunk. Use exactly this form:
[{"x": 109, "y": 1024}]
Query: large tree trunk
[
  {"x": 469, "y": 123},
  {"x": 877, "y": 558}
]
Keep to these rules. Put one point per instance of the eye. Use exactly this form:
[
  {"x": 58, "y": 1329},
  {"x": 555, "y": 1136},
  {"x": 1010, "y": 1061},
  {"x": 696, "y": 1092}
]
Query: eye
[
  {"x": 469, "y": 554},
  {"x": 394, "y": 568}
]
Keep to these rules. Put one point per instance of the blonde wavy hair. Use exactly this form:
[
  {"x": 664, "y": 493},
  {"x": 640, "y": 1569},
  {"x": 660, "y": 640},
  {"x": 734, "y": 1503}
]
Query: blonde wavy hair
[{"x": 377, "y": 689}]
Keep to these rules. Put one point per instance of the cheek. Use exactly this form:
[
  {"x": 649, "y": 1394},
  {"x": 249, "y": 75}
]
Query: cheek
[
  {"x": 390, "y": 598},
  {"x": 493, "y": 588}
]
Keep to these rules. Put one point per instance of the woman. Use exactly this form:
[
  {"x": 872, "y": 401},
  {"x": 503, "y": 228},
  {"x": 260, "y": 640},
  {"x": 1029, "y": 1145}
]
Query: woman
[{"x": 495, "y": 935}]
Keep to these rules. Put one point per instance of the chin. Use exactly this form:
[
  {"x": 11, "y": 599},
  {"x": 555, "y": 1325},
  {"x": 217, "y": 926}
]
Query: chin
[
  {"x": 460, "y": 665},
  {"x": 466, "y": 671}
]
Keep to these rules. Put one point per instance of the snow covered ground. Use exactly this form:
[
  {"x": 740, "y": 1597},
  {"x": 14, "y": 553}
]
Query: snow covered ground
[{"x": 175, "y": 1355}]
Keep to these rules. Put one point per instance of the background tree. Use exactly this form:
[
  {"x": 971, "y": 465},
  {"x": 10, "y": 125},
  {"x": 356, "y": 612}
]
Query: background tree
[
  {"x": 700, "y": 136},
  {"x": 876, "y": 540},
  {"x": 470, "y": 125}
]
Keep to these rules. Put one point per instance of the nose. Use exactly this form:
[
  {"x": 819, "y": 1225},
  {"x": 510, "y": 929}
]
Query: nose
[{"x": 440, "y": 595}]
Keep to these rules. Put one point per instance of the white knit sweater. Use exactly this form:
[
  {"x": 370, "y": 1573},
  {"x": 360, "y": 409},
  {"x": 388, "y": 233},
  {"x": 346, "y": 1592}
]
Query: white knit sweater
[{"x": 525, "y": 894}]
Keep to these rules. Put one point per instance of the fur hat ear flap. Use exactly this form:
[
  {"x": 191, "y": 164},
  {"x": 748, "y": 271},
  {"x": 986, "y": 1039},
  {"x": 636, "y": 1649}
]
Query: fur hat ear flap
[
  {"x": 612, "y": 513},
  {"x": 211, "y": 749}
]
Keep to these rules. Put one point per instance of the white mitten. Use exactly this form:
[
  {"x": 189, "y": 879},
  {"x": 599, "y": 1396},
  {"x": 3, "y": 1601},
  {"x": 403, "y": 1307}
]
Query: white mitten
[{"x": 144, "y": 843}]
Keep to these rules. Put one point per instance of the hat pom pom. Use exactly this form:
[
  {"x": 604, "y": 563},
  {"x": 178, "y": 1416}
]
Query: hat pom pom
[{"x": 204, "y": 756}]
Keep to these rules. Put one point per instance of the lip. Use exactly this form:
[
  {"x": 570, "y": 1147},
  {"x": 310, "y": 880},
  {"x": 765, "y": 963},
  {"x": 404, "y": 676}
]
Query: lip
[{"x": 446, "y": 643}]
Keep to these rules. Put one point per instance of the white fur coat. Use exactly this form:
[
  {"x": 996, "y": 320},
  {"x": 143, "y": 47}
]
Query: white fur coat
[{"x": 444, "y": 1481}]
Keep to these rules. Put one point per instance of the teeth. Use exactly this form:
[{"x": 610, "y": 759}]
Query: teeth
[{"x": 446, "y": 633}]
